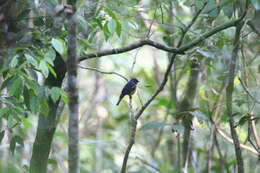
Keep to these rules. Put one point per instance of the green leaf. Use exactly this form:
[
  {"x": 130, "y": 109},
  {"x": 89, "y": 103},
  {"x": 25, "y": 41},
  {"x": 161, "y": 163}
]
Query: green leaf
[
  {"x": 44, "y": 68},
  {"x": 110, "y": 13},
  {"x": 64, "y": 96},
  {"x": 15, "y": 86},
  {"x": 51, "y": 70},
  {"x": 59, "y": 45},
  {"x": 4, "y": 111},
  {"x": 118, "y": 28},
  {"x": 55, "y": 94},
  {"x": 14, "y": 140},
  {"x": 256, "y": 4},
  {"x": 12, "y": 145},
  {"x": 11, "y": 121},
  {"x": 44, "y": 107},
  {"x": 112, "y": 26},
  {"x": 34, "y": 104},
  {"x": 2, "y": 134},
  {"x": 14, "y": 61},
  {"x": 31, "y": 60},
  {"x": 153, "y": 125},
  {"x": 49, "y": 56}
]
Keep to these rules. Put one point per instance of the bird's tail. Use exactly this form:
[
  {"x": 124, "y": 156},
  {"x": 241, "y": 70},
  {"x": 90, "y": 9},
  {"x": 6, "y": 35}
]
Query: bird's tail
[
  {"x": 119, "y": 101},
  {"x": 120, "y": 98}
]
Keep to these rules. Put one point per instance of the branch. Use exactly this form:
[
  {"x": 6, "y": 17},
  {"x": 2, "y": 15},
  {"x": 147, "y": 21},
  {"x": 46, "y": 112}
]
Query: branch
[
  {"x": 103, "y": 72},
  {"x": 129, "y": 48}
]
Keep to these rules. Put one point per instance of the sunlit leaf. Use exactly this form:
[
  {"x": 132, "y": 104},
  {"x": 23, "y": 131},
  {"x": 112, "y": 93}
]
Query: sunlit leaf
[
  {"x": 44, "y": 68},
  {"x": 59, "y": 45}
]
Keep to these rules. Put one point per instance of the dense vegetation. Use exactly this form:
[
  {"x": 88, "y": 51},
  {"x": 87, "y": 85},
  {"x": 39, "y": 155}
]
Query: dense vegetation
[{"x": 63, "y": 65}]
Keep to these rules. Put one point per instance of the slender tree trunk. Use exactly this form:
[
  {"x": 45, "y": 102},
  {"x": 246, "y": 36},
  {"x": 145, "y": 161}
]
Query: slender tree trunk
[
  {"x": 73, "y": 97},
  {"x": 229, "y": 94}
]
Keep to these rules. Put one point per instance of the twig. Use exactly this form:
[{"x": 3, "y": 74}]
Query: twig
[
  {"x": 148, "y": 164},
  {"x": 103, "y": 72},
  {"x": 247, "y": 91}
]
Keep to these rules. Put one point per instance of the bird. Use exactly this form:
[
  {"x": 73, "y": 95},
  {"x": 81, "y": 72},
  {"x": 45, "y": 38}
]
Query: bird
[{"x": 129, "y": 89}]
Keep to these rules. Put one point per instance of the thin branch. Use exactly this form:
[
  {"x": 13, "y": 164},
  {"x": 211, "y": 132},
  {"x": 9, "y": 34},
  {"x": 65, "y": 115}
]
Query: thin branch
[
  {"x": 103, "y": 72},
  {"x": 247, "y": 91},
  {"x": 148, "y": 164},
  {"x": 129, "y": 48},
  {"x": 227, "y": 138}
]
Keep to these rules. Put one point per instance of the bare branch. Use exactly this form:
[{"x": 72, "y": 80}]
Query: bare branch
[
  {"x": 129, "y": 48},
  {"x": 103, "y": 72}
]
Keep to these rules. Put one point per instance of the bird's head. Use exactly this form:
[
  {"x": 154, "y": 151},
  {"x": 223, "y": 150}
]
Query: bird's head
[{"x": 135, "y": 80}]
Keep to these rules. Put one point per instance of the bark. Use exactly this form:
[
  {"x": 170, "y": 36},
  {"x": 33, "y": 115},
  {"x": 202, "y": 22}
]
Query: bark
[
  {"x": 73, "y": 99},
  {"x": 229, "y": 94}
]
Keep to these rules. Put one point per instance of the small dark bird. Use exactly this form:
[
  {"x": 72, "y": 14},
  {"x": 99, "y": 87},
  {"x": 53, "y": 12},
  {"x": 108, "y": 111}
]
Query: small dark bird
[{"x": 129, "y": 89}]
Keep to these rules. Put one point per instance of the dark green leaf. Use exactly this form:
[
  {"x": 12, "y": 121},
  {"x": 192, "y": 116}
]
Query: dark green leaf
[
  {"x": 55, "y": 94},
  {"x": 44, "y": 107},
  {"x": 4, "y": 111},
  {"x": 34, "y": 104},
  {"x": 15, "y": 86}
]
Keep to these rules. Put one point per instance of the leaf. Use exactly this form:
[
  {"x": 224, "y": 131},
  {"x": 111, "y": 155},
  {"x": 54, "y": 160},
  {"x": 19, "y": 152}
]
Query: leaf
[
  {"x": 112, "y": 26},
  {"x": 64, "y": 96},
  {"x": 2, "y": 134},
  {"x": 10, "y": 122},
  {"x": 51, "y": 70},
  {"x": 50, "y": 56},
  {"x": 3, "y": 111},
  {"x": 31, "y": 60},
  {"x": 118, "y": 28},
  {"x": 52, "y": 161},
  {"x": 14, "y": 61},
  {"x": 14, "y": 140},
  {"x": 153, "y": 125},
  {"x": 44, "y": 68},
  {"x": 59, "y": 45},
  {"x": 34, "y": 104},
  {"x": 12, "y": 145},
  {"x": 15, "y": 86},
  {"x": 243, "y": 120},
  {"x": 44, "y": 107},
  {"x": 256, "y": 4},
  {"x": 55, "y": 94}
]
